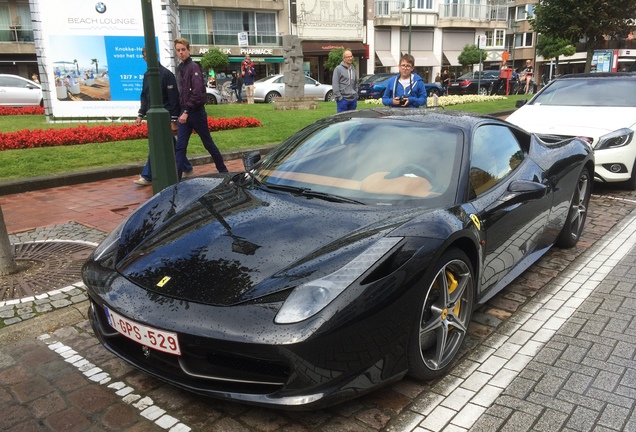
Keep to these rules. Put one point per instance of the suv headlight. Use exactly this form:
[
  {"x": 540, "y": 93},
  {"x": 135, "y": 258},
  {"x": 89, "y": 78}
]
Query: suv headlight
[{"x": 618, "y": 138}]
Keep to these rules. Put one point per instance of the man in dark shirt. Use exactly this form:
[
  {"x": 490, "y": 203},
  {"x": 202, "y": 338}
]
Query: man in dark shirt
[
  {"x": 192, "y": 97},
  {"x": 170, "y": 99}
]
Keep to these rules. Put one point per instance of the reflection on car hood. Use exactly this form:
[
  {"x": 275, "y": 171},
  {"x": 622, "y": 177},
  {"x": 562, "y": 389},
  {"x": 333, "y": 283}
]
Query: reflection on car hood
[
  {"x": 573, "y": 121},
  {"x": 232, "y": 244}
]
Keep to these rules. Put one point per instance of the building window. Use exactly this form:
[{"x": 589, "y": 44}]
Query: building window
[
  {"x": 261, "y": 27},
  {"x": 523, "y": 40},
  {"x": 193, "y": 26},
  {"x": 524, "y": 12},
  {"x": 418, "y": 4},
  {"x": 495, "y": 38}
]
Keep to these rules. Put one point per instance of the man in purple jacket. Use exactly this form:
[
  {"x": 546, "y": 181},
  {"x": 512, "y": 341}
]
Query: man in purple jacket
[{"x": 192, "y": 97}]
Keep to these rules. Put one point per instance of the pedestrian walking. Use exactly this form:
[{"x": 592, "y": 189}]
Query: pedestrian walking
[
  {"x": 170, "y": 99},
  {"x": 445, "y": 81},
  {"x": 344, "y": 84},
  {"x": 237, "y": 85},
  {"x": 192, "y": 98}
]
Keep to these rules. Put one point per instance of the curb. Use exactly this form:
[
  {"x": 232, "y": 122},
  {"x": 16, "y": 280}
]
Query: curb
[{"x": 78, "y": 177}]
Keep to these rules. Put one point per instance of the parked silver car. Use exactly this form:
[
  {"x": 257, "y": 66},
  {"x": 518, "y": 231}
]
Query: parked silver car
[
  {"x": 268, "y": 88},
  {"x": 16, "y": 91}
]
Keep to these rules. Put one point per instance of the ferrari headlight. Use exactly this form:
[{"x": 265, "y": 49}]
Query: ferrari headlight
[
  {"x": 310, "y": 298},
  {"x": 106, "y": 251},
  {"x": 618, "y": 138}
]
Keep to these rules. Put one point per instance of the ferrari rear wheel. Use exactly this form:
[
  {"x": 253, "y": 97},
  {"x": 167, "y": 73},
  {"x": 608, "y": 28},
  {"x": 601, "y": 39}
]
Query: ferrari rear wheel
[
  {"x": 571, "y": 232},
  {"x": 443, "y": 318}
]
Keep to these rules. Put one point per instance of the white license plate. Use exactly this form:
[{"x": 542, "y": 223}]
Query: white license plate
[
  {"x": 151, "y": 337},
  {"x": 454, "y": 84},
  {"x": 363, "y": 91}
]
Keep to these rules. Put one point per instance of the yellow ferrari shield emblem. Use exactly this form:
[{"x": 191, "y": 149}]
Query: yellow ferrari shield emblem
[
  {"x": 476, "y": 221},
  {"x": 163, "y": 281}
]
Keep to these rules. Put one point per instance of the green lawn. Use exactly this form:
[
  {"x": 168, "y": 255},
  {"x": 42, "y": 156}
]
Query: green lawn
[{"x": 277, "y": 126}]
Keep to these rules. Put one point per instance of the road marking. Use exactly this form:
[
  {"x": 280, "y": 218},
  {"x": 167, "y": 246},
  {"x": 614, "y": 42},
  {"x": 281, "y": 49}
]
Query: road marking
[{"x": 145, "y": 405}]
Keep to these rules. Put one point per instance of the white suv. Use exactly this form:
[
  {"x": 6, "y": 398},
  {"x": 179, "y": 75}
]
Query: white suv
[{"x": 598, "y": 106}]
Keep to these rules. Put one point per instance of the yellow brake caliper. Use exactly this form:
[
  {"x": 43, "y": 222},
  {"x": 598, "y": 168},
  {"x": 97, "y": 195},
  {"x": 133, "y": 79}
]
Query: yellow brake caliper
[{"x": 452, "y": 286}]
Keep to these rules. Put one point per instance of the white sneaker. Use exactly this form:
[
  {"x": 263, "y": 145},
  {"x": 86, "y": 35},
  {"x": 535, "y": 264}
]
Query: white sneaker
[{"x": 142, "y": 182}]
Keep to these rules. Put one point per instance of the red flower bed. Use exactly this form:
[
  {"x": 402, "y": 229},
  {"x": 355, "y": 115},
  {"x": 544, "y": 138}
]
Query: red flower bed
[
  {"x": 30, "y": 110},
  {"x": 83, "y": 134}
]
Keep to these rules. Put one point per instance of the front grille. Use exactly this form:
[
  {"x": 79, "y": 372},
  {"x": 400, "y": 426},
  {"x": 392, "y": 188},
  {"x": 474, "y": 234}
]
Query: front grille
[{"x": 200, "y": 367}]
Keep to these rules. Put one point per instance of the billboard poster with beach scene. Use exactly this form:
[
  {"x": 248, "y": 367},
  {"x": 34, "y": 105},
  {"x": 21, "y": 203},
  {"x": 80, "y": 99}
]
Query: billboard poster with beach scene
[{"x": 90, "y": 56}]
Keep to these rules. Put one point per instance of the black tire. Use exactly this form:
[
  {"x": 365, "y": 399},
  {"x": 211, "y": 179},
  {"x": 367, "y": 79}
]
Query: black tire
[
  {"x": 329, "y": 96},
  {"x": 573, "y": 227},
  {"x": 432, "y": 92},
  {"x": 443, "y": 316},
  {"x": 269, "y": 97},
  {"x": 211, "y": 100},
  {"x": 485, "y": 91}
]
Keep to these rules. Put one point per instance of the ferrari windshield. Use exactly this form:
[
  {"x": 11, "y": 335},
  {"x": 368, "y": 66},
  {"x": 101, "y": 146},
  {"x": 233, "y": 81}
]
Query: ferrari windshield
[
  {"x": 590, "y": 91},
  {"x": 382, "y": 161}
]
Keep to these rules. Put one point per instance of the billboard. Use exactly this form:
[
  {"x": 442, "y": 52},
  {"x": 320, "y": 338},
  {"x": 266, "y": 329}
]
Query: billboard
[
  {"x": 89, "y": 55},
  {"x": 604, "y": 61}
]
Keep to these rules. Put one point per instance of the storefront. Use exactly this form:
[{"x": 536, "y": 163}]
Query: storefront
[
  {"x": 267, "y": 61},
  {"x": 315, "y": 53}
]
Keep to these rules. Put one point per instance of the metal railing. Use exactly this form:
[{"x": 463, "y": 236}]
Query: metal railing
[
  {"x": 16, "y": 34},
  {"x": 462, "y": 11}
]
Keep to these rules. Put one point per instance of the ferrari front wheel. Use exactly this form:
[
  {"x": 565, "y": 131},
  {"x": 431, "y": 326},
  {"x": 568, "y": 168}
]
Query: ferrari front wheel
[
  {"x": 573, "y": 227},
  {"x": 443, "y": 316}
]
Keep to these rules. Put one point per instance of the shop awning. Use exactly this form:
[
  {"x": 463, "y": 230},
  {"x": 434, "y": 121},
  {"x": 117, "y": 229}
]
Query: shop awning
[
  {"x": 425, "y": 58},
  {"x": 386, "y": 58},
  {"x": 322, "y": 48},
  {"x": 451, "y": 57}
]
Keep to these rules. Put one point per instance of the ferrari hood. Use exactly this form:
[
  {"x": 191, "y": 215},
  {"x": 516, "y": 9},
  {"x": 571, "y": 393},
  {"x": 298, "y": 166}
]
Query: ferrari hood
[
  {"x": 573, "y": 121},
  {"x": 232, "y": 245}
]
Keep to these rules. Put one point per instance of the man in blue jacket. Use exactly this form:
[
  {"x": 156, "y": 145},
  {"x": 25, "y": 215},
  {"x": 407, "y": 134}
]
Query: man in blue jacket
[
  {"x": 170, "y": 99},
  {"x": 192, "y": 97},
  {"x": 407, "y": 89}
]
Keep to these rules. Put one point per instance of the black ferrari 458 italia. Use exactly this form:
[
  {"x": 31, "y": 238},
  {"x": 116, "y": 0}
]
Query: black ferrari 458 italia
[{"x": 350, "y": 255}]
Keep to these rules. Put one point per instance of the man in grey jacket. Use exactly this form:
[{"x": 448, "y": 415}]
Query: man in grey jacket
[{"x": 345, "y": 83}]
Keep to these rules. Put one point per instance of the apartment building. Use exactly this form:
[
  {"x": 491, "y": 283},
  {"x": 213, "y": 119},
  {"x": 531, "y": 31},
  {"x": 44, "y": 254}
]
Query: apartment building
[{"x": 17, "y": 49}]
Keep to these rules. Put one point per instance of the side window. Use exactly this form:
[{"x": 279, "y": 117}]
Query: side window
[{"x": 495, "y": 153}]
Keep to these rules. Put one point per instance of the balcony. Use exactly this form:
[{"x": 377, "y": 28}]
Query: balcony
[
  {"x": 231, "y": 39},
  {"x": 394, "y": 13},
  {"x": 473, "y": 15},
  {"x": 16, "y": 34}
]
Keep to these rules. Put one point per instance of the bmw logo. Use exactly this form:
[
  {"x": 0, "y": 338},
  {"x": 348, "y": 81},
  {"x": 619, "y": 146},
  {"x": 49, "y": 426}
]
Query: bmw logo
[{"x": 100, "y": 7}]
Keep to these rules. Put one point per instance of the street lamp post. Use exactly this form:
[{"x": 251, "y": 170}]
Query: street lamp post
[
  {"x": 410, "y": 21},
  {"x": 162, "y": 159}
]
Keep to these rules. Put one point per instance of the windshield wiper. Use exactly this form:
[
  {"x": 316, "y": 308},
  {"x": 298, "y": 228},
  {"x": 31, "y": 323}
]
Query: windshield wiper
[{"x": 307, "y": 192}]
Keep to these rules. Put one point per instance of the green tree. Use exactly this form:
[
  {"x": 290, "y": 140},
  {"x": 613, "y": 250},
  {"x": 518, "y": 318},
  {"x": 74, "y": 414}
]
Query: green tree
[
  {"x": 549, "y": 47},
  {"x": 335, "y": 58},
  {"x": 470, "y": 55},
  {"x": 214, "y": 59},
  {"x": 591, "y": 20}
]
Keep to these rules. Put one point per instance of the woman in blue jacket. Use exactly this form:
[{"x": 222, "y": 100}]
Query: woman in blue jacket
[{"x": 407, "y": 89}]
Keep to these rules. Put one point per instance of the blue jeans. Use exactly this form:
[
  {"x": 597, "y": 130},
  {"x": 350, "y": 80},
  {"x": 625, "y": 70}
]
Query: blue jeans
[
  {"x": 197, "y": 121},
  {"x": 146, "y": 172},
  {"x": 346, "y": 105}
]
